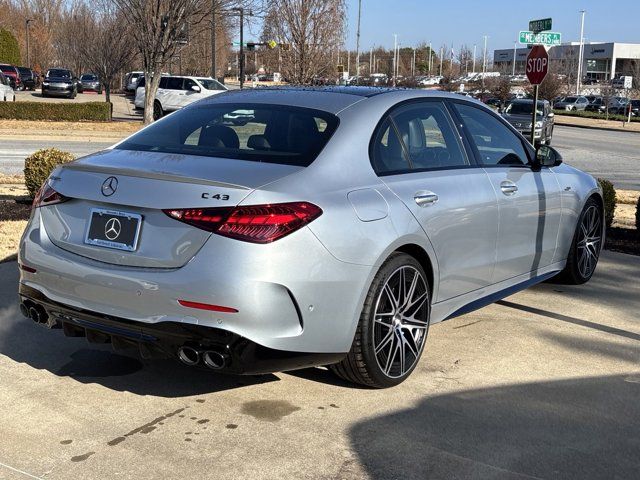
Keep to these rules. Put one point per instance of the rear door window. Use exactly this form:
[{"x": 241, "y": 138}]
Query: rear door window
[{"x": 255, "y": 132}]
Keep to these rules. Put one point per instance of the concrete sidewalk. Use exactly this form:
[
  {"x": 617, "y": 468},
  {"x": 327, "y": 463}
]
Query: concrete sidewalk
[{"x": 543, "y": 385}]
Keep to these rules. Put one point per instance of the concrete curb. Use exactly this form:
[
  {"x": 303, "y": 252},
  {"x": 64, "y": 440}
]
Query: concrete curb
[{"x": 591, "y": 127}]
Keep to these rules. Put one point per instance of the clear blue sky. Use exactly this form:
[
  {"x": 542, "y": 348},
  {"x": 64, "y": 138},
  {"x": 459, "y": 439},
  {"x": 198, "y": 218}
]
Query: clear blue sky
[{"x": 466, "y": 21}]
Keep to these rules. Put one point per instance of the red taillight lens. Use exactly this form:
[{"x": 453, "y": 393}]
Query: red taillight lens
[
  {"x": 251, "y": 223},
  {"x": 48, "y": 196}
]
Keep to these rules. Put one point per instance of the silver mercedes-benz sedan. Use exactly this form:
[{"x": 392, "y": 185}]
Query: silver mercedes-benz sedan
[{"x": 275, "y": 229}]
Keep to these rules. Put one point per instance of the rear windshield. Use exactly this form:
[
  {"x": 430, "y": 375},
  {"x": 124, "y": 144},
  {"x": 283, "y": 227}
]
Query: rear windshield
[
  {"x": 256, "y": 132},
  {"x": 7, "y": 68},
  {"x": 24, "y": 71},
  {"x": 88, "y": 77}
]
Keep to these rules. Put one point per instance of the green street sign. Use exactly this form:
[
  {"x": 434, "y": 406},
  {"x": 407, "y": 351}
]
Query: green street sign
[
  {"x": 537, "y": 26},
  {"x": 543, "y": 38}
]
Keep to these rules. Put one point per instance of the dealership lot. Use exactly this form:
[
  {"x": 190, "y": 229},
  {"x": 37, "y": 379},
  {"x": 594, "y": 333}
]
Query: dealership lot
[{"x": 543, "y": 385}]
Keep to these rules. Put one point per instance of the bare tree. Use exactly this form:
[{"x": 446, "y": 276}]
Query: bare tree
[
  {"x": 105, "y": 43},
  {"x": 499, "y": 87},
  {"x": 551, "y": 87},
  {"x": 312, "y": 29},
  {"x": 160, "y": 27}
]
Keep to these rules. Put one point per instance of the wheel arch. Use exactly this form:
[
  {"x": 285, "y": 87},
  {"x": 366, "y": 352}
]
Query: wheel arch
[{"x": 421, "y": 255}]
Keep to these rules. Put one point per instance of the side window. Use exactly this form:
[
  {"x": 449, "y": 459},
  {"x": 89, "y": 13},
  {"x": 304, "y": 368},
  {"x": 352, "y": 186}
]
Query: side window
[
  {"x": 388, "y": 155},
  {"x": 174, "y": 83},
  {"x": 163, "y": 82},
  {"x": 188, "y": 83},
  {"x": 429, "y": 136},
  {"x": 496, "y": 144}
]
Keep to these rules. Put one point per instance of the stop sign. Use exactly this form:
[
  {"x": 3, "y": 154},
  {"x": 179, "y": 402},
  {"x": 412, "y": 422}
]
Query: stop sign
[{"x": 537, "y": 64}]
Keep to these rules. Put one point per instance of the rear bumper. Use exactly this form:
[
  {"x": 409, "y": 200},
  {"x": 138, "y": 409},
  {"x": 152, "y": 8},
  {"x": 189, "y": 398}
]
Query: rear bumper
[{"x": 163, "y": 340}]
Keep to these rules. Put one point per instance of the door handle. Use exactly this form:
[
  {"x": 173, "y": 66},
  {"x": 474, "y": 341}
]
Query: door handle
[
  {"x": 508, "y": 188},
  {"x": 424, "y": 198}
]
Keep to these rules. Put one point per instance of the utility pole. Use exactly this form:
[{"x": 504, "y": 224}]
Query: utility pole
[
  {"x": 395, "y": 48},
  {"x": 430, "y": 57},
  {"x": 26, "y": 24},
  {"x": 370, "y": 59},
  {"x": 213, "y": 39},
  {"x": 348, "y": 63},
  {"x": 513, "y": 70},
  {"x": 240, "y": 10},
  {"x": 413, "y": 63},
  {"x": 580, "y": 54},
  {"x": 474, "y": 58},
  {"x": 441, "y": 54},
  {"x": 484, "y": 61},
  {"x": 358, "y": 43}
]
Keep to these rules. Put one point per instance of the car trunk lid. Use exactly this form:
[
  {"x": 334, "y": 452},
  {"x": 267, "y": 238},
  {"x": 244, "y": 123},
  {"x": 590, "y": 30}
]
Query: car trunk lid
[{"x": 140, "y": 185}]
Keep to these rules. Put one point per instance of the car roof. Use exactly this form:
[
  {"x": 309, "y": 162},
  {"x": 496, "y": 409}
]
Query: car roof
[{"x": 332, "y": 99}]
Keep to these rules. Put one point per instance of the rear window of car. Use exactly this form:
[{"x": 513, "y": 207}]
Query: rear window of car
[
  {"x": 24, "y": 71},
  {"x": 88, "y": 77},
  {"x": 7, "y": 69},
  {"x": 255, "y": 132}
]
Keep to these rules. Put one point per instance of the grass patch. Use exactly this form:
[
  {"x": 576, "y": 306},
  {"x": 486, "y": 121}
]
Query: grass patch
[
  {"x": 594, "y": 115},
  {"x": 72, "y": 112},
  {"x": 50, "y": 126}
]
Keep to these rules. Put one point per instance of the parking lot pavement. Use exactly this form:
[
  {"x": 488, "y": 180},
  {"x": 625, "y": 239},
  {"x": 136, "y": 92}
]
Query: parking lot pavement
[
  {"x": 542, "y": 385},
  {"x": 123, "y": 108}
]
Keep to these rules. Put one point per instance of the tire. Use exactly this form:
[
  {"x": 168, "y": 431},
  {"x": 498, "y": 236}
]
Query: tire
[
  {"x": 579, "y": 269},
  {"x": 384, "y": 342},
  {"x": 158, "y": 113}
]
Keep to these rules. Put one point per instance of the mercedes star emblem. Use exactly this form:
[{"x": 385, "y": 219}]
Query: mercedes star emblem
[
  {"x": 112, "y": 228},
  {"x": 109, "y": 186}
]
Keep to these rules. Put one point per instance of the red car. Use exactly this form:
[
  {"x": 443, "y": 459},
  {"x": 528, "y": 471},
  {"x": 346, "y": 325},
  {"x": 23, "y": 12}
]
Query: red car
[{"x": 13, "y": 74}]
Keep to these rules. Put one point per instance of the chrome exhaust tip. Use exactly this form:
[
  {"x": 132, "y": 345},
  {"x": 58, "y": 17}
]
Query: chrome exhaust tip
[
  {"x": 24, "y": 310},
  {"x": 214, "y": 360},
  {"x": 188, "y": 355},
  {"x": 34, "y": 314}
]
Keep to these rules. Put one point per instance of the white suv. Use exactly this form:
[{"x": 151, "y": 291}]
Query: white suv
[
  {"x": 176, "y": 92},
  {"x": 6, "y": 92}
]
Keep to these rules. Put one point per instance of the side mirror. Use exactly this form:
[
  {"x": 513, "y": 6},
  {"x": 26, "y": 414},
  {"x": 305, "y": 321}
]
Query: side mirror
[
  {"x": 195, "y": 88},
  {"x": 547, "y": 156},
  {"x": 551, "y": 115}
]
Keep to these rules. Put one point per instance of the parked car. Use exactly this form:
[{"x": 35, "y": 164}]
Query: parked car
[
  {"x": 6, "y": 92},
  {"x": 131, "y": 81},
  {"x": 12, "y": 73},
  {"x": 596, "y": 104},
  {"x": 518, "y": 113},
  {"x": 90, "y": 82},
  {"x": 176, "y": 92},
  {"x": 573, "y": 102},
  {"x": 258, "y": 248},
  {"x": 60, "y": 82},
  {"x": 623, "y": 108},
  {"x": 27, "y": 78}
]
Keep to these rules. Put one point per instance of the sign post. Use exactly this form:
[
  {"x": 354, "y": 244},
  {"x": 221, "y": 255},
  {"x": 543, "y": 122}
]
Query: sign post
[{"x": 536, "y": 69}]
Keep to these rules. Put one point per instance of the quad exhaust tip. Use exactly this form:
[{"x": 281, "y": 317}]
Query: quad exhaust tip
[
  {"x": 188, "y": 355},
  {"x": 214, "y": 360}
]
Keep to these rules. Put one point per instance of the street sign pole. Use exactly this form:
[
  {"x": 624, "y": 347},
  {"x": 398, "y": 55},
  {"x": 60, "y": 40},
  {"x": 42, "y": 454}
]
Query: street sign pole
[{"x": 534, "y": 115}]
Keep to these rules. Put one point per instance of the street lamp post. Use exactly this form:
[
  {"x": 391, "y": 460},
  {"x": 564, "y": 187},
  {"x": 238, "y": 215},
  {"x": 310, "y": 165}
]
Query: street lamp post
[
  {"x": 484, "y": 61},
  {"x": 240, "y": 10},
  {"x": 358, "y": 43},
  {"x": 430, "y": 57},
  {"x": 580, "y": 54},
  {"x": 513, "y": 72},
  {"x": 26, "y": 24},
  {"x": 473, "y": 69},
  {"x": 395, "y": 48}
]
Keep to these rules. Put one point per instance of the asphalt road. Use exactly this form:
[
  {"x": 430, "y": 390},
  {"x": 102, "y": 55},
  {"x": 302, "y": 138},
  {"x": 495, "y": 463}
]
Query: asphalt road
[
  {"x": 611, "y": 155},
  {"x": 607, "y": 154},
  {"x": 544, "y": 385},
  {"x": 13, "y": 151}
]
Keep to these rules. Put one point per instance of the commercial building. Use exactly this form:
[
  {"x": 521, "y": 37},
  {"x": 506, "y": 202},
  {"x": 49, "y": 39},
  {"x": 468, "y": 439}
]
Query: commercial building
[{"x": 602, "y": 60}]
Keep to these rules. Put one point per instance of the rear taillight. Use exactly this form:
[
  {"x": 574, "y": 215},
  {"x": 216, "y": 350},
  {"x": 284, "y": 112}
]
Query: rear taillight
[
  {"x": 48, "y": 196},
  {"x": 251, "y": 223}
]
